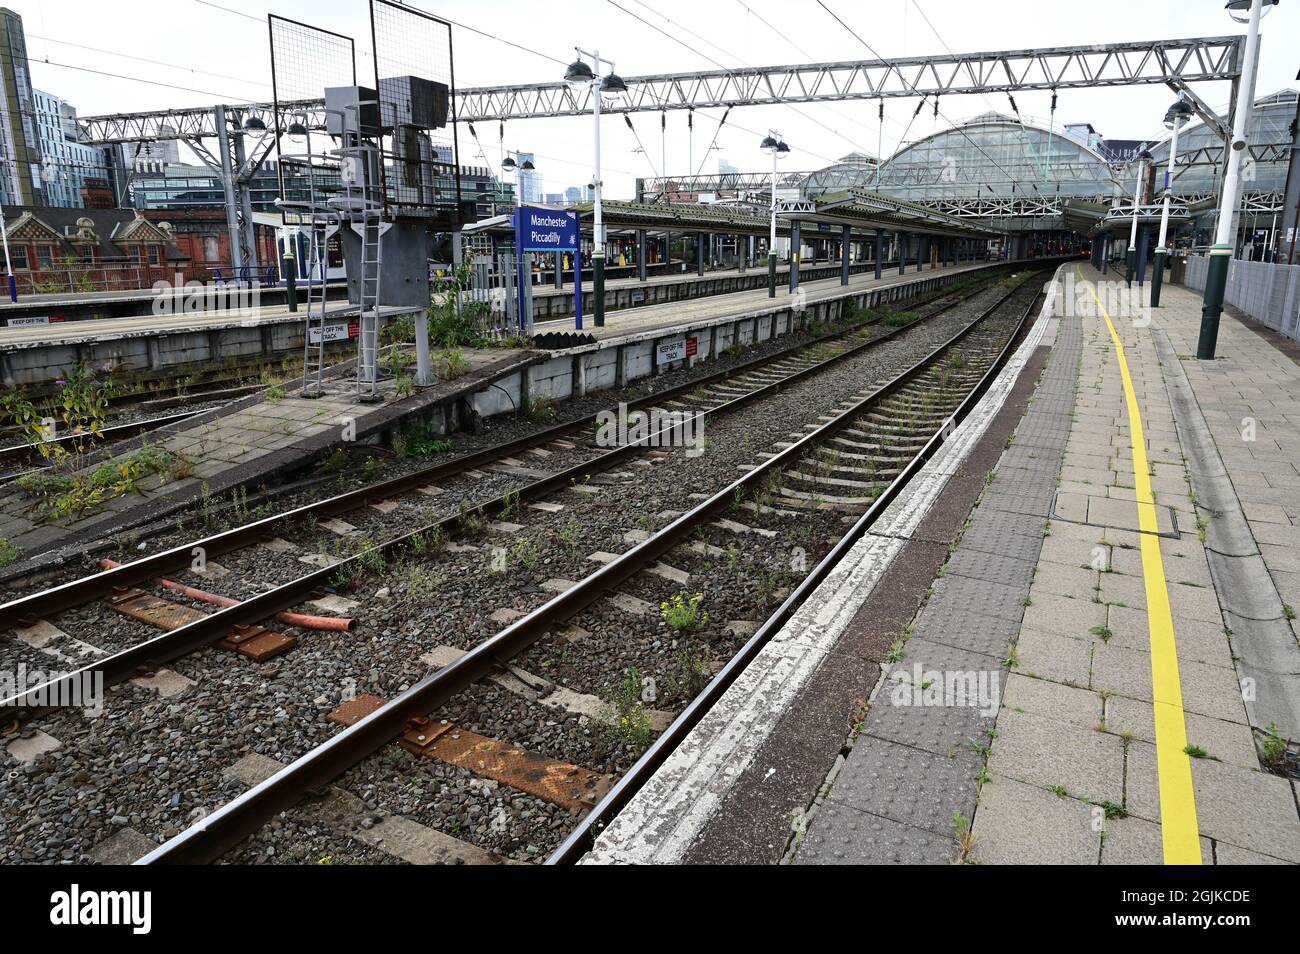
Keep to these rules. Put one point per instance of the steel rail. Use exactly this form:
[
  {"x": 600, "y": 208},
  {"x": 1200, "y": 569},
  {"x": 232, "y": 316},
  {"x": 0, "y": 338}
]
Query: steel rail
[
  {"x": 243, "y": 815},
  {"x": 581, "y": 838},
  {"x": 25, "y": 610},
  {"x": 173, "y": 644}
]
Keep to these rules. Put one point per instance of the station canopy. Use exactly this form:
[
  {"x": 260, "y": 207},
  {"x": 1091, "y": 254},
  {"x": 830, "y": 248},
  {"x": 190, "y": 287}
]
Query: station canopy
[{"x": 858, "y": 209}]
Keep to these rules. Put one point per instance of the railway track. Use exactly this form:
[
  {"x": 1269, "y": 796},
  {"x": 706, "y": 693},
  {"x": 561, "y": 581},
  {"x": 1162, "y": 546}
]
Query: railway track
[
  {"x": 847, "y": 464},
  {"x": 719, "y": 393}
]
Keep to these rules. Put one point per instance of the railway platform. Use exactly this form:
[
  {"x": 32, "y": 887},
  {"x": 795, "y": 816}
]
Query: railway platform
[
  {"x": 1070, "y": 639},
  {"x": 254, "y": 439}
]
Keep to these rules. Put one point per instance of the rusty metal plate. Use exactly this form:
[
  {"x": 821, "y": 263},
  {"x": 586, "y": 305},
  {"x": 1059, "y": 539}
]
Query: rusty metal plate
[
  {"x": 254, "y": 642},
  {"x": 354, "y": 710},
  {"x": 569, "y": 786},
  {"x": 161, "y": 613},
  {"x": 261, "y": 647}
]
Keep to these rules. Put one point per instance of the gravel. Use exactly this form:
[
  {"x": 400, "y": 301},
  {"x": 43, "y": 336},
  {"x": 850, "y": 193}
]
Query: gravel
[{"x": 156, "y": 764}]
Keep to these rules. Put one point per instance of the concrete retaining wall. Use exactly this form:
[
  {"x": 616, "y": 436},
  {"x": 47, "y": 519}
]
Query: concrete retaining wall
[
  {"x": 614, "y": 362},
  {"x": 548, "y": 304},
  {"x": 150, "y": 353}
]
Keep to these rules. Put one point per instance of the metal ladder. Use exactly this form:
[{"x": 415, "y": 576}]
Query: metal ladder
[
  {"x": 371, "y": 271},
  {"x": 313, "y": 355},
  {"x": 362, "y": 204}
]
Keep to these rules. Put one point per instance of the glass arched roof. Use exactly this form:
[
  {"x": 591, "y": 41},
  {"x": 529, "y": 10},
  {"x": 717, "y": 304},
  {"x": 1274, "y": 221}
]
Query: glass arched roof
[
  {"x": 1200, "y": 151},
  {"x": 990, "y": 156}
]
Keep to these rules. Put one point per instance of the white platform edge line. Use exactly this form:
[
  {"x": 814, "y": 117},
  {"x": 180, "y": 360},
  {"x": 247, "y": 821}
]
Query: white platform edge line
[{"x": 665, "y": 817}]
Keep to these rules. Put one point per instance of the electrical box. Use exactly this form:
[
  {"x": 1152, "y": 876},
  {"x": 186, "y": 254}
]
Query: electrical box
[
  {"x": 404, "y": 249},
  {"x": 351, "y": 109},
  {"x": 413, "y": 101}
]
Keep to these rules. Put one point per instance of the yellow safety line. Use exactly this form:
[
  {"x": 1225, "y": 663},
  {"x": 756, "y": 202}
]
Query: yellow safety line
[{"x": 1180, "y": 832}]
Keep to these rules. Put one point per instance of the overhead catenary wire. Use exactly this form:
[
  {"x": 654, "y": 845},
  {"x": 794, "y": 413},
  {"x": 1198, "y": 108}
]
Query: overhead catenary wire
[
  {"x": 678, "y": 40},
  {"x": 912, "y": 86}
]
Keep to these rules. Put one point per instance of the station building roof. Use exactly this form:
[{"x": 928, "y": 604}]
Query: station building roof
[{"x": 860, "y": 210}]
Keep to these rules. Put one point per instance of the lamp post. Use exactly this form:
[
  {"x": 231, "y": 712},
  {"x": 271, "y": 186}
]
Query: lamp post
[
  {"x": 9, "y": 270},
  {"x": 581, "y": 77},
  {"x": 523, "y": 278},
  {"x": 775, "y": 147},
  {"x": 1174, "y": 119},
  {"x": 297, "y": 132},
  {"x": 1143, "y": 158},
  {"x": 1216, "y": 275}
]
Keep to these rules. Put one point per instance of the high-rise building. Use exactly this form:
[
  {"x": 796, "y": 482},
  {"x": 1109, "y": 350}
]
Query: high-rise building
[
  {"x": 44, "y": 155},
  {"x": 67, "y": 160},
  {"x": 530, "y": 180},
  {"x": 20, "y": 153}
]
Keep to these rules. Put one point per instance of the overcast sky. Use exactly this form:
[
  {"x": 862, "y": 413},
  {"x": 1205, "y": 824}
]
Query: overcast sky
[{"x": 193, "y": 52}]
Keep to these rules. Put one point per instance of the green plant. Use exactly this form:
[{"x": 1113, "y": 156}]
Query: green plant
[
  {"x": 1195, "y": 751},
  {"x": 526, "y": 553},
  {"x": 1111, "y": 810},
  {"x": 568, "y": 534},
  {"x": 509, "y": 504},
  {"x": 454, "y": 322},
  {"x": 897, "y": 319},
  {"x": 336, "y": 461},
  {"x": 539, "y": 409},
  {"x": 275, "y": 394},
  {"x": 418, "y": 439},
  {"x": 419, "y": 581},
  {"x": 683, "y": 613},
  {"x": 8, "y": 553},
  {"x": 692, "y": 673},
  {"x": 1274, "y": 745},
  {"x": 451, "y": 364},
  {"x": 631, "y": 721}
]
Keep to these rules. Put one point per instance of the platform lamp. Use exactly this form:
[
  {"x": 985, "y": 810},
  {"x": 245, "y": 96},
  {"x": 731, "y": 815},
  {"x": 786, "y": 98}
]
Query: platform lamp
[
  {"x": 775, "y": 147},
  {"x": 1130, "y": 256},
  {"x": 511, "y": 164},
  {"x": 1177, "y": 114},
  {"x": 1216, "y": 275},
  {"x": 582, "y": 77}
]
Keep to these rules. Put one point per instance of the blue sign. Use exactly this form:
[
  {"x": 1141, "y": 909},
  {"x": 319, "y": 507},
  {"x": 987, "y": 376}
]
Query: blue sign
[{"x": 548, "y": 230}]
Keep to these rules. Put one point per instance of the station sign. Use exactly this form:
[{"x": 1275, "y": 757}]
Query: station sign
[{"x": 548, "y": 230}]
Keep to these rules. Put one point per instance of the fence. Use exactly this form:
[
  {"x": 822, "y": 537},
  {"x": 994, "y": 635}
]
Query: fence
[
  {"x": 1268, "y": 293},
  {"x": 86, "y": 279}
]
